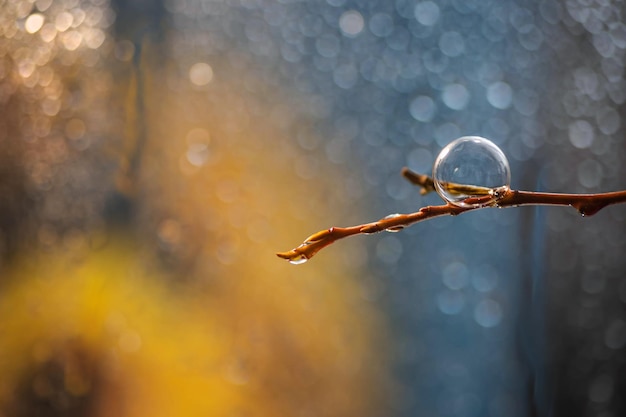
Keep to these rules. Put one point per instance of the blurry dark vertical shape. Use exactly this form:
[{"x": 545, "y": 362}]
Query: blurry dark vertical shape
[
  {"x": 16, "y": 197},
  {"x": 585, "y": 268},
  {"x": 532, "y": 310},
  {"x": 139, "y": 23},
  {"x": 16, "y": 200}
]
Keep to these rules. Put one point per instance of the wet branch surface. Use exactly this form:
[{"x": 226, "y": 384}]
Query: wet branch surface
[{"x": 586, "y": 204}]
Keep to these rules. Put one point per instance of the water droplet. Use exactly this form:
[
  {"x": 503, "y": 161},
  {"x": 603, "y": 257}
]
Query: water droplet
[
  {"x": 298, "y": 260},
  {"x": 471, "y": 172},
  {"x": 394, "y": 229}
]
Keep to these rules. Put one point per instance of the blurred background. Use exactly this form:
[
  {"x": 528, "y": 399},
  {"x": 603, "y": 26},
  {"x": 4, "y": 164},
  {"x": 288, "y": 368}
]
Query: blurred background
[{"x": 155, "y": 154}]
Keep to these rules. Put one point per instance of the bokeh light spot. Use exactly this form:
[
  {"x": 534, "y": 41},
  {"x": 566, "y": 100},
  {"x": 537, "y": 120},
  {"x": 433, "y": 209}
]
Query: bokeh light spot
[
  {"x": 500, "y": 95},
  {"x": 34, "y": 22},
  {"x": 608, "y": 120},
  {"x": 63, "y": 21},
  {"x": 488, "y": 313},
  {"x": 422, "y": 108},
  {"x": 75, "y": 129},
  {"x": 590, "y": 173},
  {"x": 427, "y": 13},
  {"x": 615, "y": 335},
  {"x": 581, "y": 134},
  {"x": 328, "y": 45},
  {"x": 381, "y": 24},
  {"x": 351, "y": 23},
  {"x": 452, "y": 44},
  {"x": 48, "y": 32},
  {"x": 455, "y": 96},
  {"x": 124, "y": 50},
  {"x": 420, "y": 160},
  {"x": 450, "y": 302},
  {"x": 72, "y": 40},
  {"x": 346, "y": 76},
  {"x": 485, "y": 279},
  {"x": 455, "y": 275},
  {"x": 200, "y": 74},
  {"x": 601, "y": 389},
  {"x": 389, "y": 249}
]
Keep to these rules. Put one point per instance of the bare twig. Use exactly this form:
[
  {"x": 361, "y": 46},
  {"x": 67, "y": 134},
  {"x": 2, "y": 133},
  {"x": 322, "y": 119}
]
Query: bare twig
[
  {"x": 586, "y": 204},
  {"x": 420, "y": 180}
]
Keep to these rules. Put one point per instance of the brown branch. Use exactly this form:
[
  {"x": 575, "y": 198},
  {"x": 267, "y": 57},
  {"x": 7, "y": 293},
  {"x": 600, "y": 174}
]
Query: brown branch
[
  {"x": 586, "y": 204},
  {"x": 420, "y": 180}
]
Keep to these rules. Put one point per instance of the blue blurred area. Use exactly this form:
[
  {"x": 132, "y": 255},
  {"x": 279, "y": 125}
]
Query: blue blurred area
[{"x": 495, "y": 312}]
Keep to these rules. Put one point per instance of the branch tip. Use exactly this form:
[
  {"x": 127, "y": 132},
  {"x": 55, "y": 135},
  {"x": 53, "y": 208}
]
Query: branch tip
[{"x": 424, "y": 181}]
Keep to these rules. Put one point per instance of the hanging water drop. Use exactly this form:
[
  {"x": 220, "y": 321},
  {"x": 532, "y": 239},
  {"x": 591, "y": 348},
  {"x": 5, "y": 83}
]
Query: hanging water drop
[
  {"x": 394, "y": 229},
  {"x": 471, "y": 172},
  {"x": 298, "y": 260}
]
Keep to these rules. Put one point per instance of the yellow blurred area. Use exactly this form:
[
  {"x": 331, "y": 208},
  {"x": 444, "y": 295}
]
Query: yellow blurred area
[
  {"x": 186, "y": 311},
  {"x": 98, "y": 336}
]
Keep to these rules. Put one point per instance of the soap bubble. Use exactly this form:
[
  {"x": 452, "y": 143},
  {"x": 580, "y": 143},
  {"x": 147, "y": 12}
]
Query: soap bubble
[{"x": 471, "y": 172}]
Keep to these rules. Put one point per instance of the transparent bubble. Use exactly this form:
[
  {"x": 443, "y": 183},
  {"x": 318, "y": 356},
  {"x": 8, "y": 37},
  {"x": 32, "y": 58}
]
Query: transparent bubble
[{"x": 471, "y": 172}]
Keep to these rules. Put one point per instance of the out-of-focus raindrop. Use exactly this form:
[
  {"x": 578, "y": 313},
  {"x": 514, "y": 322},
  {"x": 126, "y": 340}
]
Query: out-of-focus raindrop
[
  {"x": 197, "y": 154},
  {"x": 427, "y": 13},
  {"x": 48, "y": 32},
  {"x": 381, "y": 24},
  {"x": 420, "y": 160},
  {"x": 450, "y": 302},
  {"x": 389, "y": 249},
  {"x": 455, "y": 96},
  {"x": 500, "y": 95},
  {"x": 422, "y": 108},
  {"x": 72, "y": 40},
  {"x": 608, "y": 120},
  {"x": 63, "y": 21},
  {"x": 346, "y": 76},
  {"x": 328, "y": 45},
  {"x": 590, "y": 173},
  {"x": 581, "y": 134},
  {"x": 488, "y": 313},
  {"x": 351, "y": 23},
  {"x": 452, "y": 44},
  {"x": 75, "y": 129},
  {"x": 601, "y": 389},
  {"x": 455, "y": 275},
  {"x": 34, "y": 22},
  {"x": 615, "y": 335},
  {"x": 485, "y": 278},
  {"x": 200, "y": 74},
  {"x": 124, "y": 50}
]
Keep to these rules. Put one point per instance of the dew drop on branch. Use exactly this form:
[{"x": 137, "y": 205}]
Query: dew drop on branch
[
  {"x": 298, "y": 260},
  {"x": 394, "y": 229}
]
